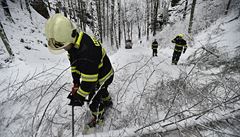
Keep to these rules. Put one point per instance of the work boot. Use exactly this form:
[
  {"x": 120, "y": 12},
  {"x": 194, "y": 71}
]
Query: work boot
[
  {"x": 108, "y": 104},
  {"x": 94, "y": 122}
]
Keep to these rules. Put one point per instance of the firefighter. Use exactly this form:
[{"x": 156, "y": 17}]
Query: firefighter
[
  {"x": 180, "y": 45},
  {"x": 154, "y": 47},
  {"x": 91, "y": 68}
]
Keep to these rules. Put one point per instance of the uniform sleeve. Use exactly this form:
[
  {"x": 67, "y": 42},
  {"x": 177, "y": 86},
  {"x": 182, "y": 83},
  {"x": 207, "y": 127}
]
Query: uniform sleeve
[
  {"x": 174, "y": 40},
  {"x": 89, "y": 78},
  {"x": 75, "y": 71}
]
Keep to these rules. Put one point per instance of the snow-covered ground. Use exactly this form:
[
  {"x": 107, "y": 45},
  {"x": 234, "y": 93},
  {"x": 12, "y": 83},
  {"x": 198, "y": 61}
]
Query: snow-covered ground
[{"x": 34, "y": 86}]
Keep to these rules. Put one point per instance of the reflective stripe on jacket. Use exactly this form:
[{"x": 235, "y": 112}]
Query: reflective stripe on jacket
[{"x": 154, "y": 45}]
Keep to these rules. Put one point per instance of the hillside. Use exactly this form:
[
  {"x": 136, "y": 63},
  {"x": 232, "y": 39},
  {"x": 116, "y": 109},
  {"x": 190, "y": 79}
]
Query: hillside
[{"x": 198, "y": 97}]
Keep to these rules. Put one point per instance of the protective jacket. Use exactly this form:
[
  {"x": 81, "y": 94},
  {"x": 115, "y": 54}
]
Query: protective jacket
[
  {"x": 180, "y": 43},
  {"x": 154, "y": 45},
  {"x": 89, "y": 63}
]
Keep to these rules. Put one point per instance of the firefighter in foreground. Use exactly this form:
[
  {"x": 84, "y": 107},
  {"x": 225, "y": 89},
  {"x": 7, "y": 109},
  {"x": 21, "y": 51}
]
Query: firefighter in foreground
[
  {"x": 154, "y": 47},
  {"x": 89, "y": 62},
  {"x": 180, "y": 46}
]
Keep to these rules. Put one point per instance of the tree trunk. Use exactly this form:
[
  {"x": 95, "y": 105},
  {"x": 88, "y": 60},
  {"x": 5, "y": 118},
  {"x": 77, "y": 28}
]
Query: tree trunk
[
  {"x": 107, "y": 27},
  {"x": 28, "y": 8},
  {"x": 6, "y": 10},
  {"x": 103, "y": 18},
  {"x": 156, "y": 4},
  {"x": 49, "y": 6},
  {"x": 185, "y": 10},
  {"x": 228, "y": 5},
  {"x": 131, "y": 29},
  {"x": 124, "y": 23},
  {"x": 191, "y": 16},
  {"x": 99, "y": 17},
  {"x": 119, "y": 23},
  {"x": 115, "y": 35},
  {"x": 138, "y": 23},
  {"x": 20, "y": 1},
  {"x": 5, "y": 40},
  {"x": 69, "y": 10},
  {"x": 112, "y": 23},
  {"x": 147, "y": 22},
  {"x": 128, "y": 30},
  {"x": 83, "y": 13}
]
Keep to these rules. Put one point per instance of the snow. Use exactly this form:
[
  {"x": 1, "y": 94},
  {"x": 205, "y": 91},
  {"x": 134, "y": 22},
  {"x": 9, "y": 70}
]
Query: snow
[{"x": 137, "y": 73}]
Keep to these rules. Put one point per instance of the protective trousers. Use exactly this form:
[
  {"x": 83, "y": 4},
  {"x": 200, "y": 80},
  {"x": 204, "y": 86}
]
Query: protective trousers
[
  {"x": 176, "y": 56},
  {"x": 98, "y": 100}
]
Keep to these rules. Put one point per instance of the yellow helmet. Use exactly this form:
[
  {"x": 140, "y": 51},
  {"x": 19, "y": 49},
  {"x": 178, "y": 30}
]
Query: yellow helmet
[
  {"x": 58, "y": 30},
  {"x": 180, "y": 35}
]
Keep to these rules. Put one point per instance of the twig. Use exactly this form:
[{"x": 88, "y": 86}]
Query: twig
[{"x": 44, "y": 113}]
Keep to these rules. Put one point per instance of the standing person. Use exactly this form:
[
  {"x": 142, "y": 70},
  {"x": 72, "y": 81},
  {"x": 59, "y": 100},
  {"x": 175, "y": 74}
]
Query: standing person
[
  {"x": 180, "y": 45},
  {"x": 89, "y": 62},
  {"x": 154, "y": 47}
]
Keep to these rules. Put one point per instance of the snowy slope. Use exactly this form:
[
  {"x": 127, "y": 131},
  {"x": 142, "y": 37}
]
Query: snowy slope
[{"x": 29, "y": 84}]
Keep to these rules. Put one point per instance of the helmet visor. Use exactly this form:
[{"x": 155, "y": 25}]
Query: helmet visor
[{"x": 55, "y": 46}]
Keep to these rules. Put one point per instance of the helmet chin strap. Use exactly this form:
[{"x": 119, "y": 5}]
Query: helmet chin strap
[
  {"x": 68, "y": 47},
  {"x": 74, "y": 33}
]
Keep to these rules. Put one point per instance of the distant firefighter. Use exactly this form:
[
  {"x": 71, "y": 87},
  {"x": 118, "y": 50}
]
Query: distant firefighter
[
  {"x": 154, "y": 47},
  {"x": 180, "y": 45}
]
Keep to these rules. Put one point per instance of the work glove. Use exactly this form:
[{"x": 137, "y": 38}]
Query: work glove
[{"x": 76, "y": 100}]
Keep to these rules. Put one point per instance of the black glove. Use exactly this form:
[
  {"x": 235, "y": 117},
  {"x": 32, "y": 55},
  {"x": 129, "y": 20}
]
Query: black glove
[{"x": 76, "y": 100}]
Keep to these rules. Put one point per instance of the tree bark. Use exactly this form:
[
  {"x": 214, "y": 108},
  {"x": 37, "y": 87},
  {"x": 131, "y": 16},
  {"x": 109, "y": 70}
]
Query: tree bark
[
  {"x": 99, "y": 16},
  {"x": 28, "y": 8},
  {"x": 156, "y": 4},
  {"x": 119, "y": 23},
  {"x": 104, "y": 21},
  {"x": 6, "y": 10},
  {"x": 228, "y": 5},
  {"x": 185, "y": 10},
  {"x": 107, "y": 27},
  {"x": 124, "y": 23},
  {"x": 147, "y": 22},
  {"x": 191, "y": 16},
  {"x": 5, "y": 40},
  {"x": 112, "y": 23}
]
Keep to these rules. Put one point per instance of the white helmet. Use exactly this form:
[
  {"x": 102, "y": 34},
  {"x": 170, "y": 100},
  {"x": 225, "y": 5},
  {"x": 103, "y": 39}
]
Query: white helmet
[
  {"x": 180, "y": 35},
  {"x": 58, "y": 30}
]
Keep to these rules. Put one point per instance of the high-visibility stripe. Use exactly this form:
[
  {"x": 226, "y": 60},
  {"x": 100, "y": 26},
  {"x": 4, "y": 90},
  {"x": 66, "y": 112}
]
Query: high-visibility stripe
[
  {"x": 74, "y": 70},
  {"x": 95, "y": 41},
  {"x": 103, "y": 55},
  {"x": 102, "y": 80},
  {"x": 82, "y": 92},
  {"x": 177, "y": 50},
  {"x": 178, "y": 45},
  {"x": 98, "y": 113},
  {"x": 89, "y": 78},
  {"x": 107, "y": 98},
  {"x": 79, "y": 40}
]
